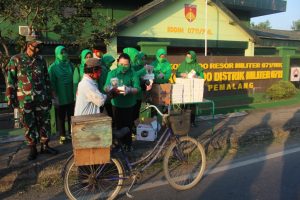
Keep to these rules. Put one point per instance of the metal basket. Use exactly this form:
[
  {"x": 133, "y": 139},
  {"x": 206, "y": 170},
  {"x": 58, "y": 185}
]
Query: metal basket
[{"x": 180, "y": 122}]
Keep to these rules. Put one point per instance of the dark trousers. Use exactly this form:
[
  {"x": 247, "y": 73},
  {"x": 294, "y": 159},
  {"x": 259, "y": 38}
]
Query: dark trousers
[
  {"x": 137, "y": 108},
  {"x": 123, "y": 117},
  {"x": 63, "y": 111},
  {"x": 108, "y": 108},
  {"x": 192, "y": 107}
]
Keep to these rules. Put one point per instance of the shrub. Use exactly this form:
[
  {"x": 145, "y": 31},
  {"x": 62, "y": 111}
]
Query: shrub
[{"x": 281, "y": 90}]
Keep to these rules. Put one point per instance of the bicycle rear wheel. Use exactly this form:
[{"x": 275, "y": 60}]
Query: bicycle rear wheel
[
  {"x": 93, "y": 181},
  {"x": 184, "y": 163}
]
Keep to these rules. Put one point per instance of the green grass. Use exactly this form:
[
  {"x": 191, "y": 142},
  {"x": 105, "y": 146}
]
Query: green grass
[{"x": 11, "y": 132}]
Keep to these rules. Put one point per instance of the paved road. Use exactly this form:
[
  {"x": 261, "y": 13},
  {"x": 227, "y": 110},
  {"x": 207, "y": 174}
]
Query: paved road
[
  {"x": 266, "y": 177},
  {"x": 263, "y": 176}
]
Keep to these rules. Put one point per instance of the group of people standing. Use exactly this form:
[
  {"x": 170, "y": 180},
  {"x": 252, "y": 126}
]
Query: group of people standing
[{"x": 90, "y": 88}]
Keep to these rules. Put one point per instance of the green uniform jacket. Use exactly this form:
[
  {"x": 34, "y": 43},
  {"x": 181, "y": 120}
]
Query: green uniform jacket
[
  {"x": 28, "y": 81},
  {"x": 185, "y": 67},
  {"x": 106, "y": 62},
  {"x": 78, "y": 72},
  {"x": 128, "y": 79},
  {"x": 161, "y": 67},
  {"x": 61, "y": 77},
  {"x": 136, "y": 66}
]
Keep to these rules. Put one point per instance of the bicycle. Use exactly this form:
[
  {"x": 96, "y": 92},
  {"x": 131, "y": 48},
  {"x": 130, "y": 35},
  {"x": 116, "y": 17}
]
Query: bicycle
[{"x": 184, "y": 164}]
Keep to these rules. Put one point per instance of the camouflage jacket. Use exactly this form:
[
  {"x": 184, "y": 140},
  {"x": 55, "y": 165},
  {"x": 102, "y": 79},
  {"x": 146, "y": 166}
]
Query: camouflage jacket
[{"x": 28, "y": 81}]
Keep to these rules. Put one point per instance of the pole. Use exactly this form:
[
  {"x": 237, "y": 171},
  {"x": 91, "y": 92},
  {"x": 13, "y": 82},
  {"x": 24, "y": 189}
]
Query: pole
[{"x": 205, "y": 34}]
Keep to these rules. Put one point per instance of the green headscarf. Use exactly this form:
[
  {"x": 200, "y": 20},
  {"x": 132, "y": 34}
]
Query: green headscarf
[
  {"x": 59, "y": 57},
  {"x": 82, "y": 56},
  {"x": 132, "y": 52},
  {"x": 107, "y": 61},
  {"x": 159, "y": 53},
  {"x": 186, "y": 67},
  {"x": 140, "y": 57},
  {"x": 161, "y": 66},
  {"x": 78, "y": 73}
]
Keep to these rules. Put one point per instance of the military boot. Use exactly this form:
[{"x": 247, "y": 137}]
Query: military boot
[
  {"x": 45, "y": 149},
  {"x": 32, "y": 153}
]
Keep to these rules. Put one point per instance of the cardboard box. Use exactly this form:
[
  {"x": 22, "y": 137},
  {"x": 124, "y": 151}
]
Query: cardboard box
[
  {"x": 91, "y": 139},
  {"x": 177, "y": 93},
  {"x": 193, "y": 89},
  {"x": 161, "y": 94},
  {"x": 147, "y": 130}
]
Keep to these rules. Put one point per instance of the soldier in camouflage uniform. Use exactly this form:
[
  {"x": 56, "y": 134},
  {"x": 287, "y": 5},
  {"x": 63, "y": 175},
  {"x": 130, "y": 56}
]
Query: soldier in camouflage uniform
[{"x": 28, "y": 89}]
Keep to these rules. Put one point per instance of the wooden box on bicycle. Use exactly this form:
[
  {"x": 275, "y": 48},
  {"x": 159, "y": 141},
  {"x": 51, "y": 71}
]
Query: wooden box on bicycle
[{"x": 91, "y": 139}]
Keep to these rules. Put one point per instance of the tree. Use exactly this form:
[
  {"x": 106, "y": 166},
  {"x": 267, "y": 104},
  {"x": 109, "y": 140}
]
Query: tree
[
  {"x": 262, "y": 25},
  {"x": 67, "y": 18},
  {"x": 296, "y": 25}
]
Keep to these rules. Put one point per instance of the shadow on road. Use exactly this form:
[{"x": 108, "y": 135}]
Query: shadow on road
[{"x": 242, "y": 186}]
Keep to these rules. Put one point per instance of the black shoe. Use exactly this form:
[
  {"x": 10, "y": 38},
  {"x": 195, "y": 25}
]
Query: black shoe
[
  {"x": 45, "y": 149},
  {"x": 33, "y": 153},
  {"x": 128, "y": 148}
]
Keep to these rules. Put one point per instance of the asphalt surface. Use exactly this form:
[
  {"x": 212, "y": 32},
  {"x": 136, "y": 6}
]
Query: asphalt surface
[{"x": 264, "y": 177}]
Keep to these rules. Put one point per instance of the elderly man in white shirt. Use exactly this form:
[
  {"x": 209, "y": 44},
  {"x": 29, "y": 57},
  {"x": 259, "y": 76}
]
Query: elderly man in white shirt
[{"x": 88, "y": 97}]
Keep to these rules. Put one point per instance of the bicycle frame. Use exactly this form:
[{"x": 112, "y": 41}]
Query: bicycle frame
[{"x": 155, "y": 152}]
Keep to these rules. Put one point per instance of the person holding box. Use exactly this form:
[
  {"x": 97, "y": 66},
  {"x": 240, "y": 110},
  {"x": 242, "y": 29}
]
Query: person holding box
[{"x": 125, "y": 85}]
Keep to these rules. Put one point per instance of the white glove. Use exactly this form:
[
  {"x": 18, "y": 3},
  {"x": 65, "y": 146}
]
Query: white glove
[
  {"x": 127, "y": 90},
  {"x": 149, "y": 69}
]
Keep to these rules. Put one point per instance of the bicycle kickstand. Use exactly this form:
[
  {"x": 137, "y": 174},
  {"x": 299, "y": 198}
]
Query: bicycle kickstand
[{"x": 133, "y": 182}]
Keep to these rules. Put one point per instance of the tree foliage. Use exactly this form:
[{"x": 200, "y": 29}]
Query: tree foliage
[
  {"x": 296, "y": 25},
  {"x": 262, "y": 25},
  {"x": 66, "y": 18}
]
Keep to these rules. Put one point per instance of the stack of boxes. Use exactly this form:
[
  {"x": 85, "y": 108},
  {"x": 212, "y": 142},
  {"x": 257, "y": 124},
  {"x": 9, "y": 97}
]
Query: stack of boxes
[
  {"x": 177, "y": 93},
  {"x": 187, "y": 89},
  {"x": 198, "y": 89},
  {"x": 183, "y": 91},
  {"x": 193, "y": 90}
]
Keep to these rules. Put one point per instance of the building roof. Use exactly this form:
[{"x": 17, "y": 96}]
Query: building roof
[
  {"x": 278, "y": 34},
  {"x": 255, "y": 8},
  {"x": 150, "y": 8}
]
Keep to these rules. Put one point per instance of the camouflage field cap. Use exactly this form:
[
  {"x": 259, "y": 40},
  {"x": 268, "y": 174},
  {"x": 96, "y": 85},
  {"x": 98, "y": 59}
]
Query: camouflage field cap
[{"x": 33, "y": 38}]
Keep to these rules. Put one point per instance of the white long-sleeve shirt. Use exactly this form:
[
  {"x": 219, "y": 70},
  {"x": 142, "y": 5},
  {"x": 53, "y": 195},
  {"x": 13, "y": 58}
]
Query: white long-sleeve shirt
[{"x": 88, "y": 97}]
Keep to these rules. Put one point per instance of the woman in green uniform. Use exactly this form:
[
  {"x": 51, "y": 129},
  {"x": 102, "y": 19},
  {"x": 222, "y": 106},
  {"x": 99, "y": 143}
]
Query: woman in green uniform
[
  {"x": 126, "y": 85},
  {"x": 190, "y": 66},
  {"x": 162, "y": 67},
  {"x": 78, "y": 72},
  {"x": 61, "y": 77},
  {"x": 106, "y": 62}
]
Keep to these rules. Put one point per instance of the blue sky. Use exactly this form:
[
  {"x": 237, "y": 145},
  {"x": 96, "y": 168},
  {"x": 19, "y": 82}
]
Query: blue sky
[{"x": 282, "y": 20}]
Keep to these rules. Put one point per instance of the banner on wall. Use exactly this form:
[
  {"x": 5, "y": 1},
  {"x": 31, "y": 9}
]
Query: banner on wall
[
  {"x": 227, "y": 75},
  {"x": 295, "y": 74}
]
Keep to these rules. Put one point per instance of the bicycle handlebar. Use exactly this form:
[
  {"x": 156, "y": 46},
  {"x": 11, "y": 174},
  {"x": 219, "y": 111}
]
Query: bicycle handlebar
[{"x": 153, "y": 106}]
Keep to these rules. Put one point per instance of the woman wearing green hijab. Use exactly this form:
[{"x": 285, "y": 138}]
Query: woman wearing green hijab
[
  {"x": 190, "y": 65},
  {"x": 162, "y": 67},
  {"x": 78, "y": 72},
  {"x": 61, "y": 77},
  {"x": 106, "y": 62},
  {"x": 133, "y": 54}
]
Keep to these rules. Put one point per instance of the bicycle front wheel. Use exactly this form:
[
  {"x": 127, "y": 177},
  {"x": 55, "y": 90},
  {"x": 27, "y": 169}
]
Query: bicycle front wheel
[
  {"x": 184, "y": 163},
  {"x": 93, "y": 181}
]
